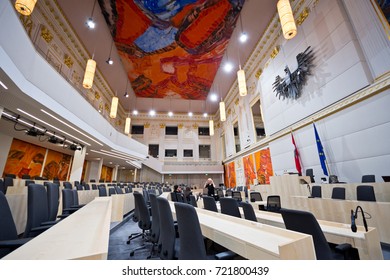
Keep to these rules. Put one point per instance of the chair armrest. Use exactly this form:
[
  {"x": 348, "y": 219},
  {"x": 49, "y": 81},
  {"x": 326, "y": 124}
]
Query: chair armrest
[
  {"x": 49, "y": 223},
  {"x": 342, "y": 248}
]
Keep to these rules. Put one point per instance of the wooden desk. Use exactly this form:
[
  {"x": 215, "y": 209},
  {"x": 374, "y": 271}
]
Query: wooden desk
[
  {"x": 121, "y": 205},
  {"x": 253, "y": 240},
  {"x": 82, "y": 235},
  {"x": 336, "y": 210},
  {"x": 367, "y": 243},
  {"x": 18, "y": 206}
]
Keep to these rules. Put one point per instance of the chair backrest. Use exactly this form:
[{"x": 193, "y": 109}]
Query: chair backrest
[
  {"x": 220, "y": 193},
  {"x": 255, "y": 196},
  {"x": 75, "y": 198},
  {"x": 87, "y": 187},
  {"x": 316, "y": 191},
  {"x": 192, "y": 245},
  {"x": 8, "y": 228},
  {"x": 67, "y": 200},
  {"x": 249, "y": 213},
  {"x": 118, "y": 190},
  {"x": 333, "y": 179},
  {"x": 26, "y": 176},
  {"x": 229, "y": 206},
  {"x": 368, "y": 179},
  {"x": 111, "y": 191},
  {"x": 8, "y": 181},
  {"x": 309, "y": 172},
  {"x": 167, "y": 230},
  {"x": 28, "y": 182},
  {"x": 67, "y": 185},
  {"x": 2, "y": 188},
  {"x": 193, "y": 201},
  {"x": 102, "y": 191},
  {"x": 273, "y": 203},
  {"x": 305, "y": 222},
  {"x": 237, "y": 195},
  {"x": 144, "y": 222},
  {"x": 173, "y": 196},
  {"x": 94, "y": 187},
  {"x": 338, "y": 193},
  {"x": 209, "y": 203},
  {"x": 53, "y": 196},
  {"x": 13, "y": 176},
  {"x": 79, "y": 187},
  {"x": 37, "y": 208},
  {"x": 179, "y": 197},
  {"x": 155, "y": 229},
  {"x": 365, "y": 193},
  {"x": 229, "y": 192}
]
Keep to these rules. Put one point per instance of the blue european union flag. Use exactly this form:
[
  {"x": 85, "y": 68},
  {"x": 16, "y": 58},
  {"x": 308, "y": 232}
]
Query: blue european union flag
[{"x": 321, "y": 153}]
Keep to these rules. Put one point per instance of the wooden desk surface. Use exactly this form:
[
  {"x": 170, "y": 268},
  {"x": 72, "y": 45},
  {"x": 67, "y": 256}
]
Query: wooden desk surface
[
  {"x": 82, "y": 235},
  {"x": 367, "y": 243},
  {"x": 253, "y": 240}
]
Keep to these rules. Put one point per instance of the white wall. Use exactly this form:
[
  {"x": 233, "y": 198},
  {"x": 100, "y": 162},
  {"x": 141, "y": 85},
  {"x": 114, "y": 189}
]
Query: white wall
[{"x": 5, "y": 145}]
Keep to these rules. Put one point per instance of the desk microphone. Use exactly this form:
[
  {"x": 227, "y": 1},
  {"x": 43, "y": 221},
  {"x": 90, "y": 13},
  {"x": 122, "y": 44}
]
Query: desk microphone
[{"x": 353, "y": 224}]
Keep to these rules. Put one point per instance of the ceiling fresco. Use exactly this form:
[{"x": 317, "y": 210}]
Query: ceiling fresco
[{"x": 171, "y": 48}]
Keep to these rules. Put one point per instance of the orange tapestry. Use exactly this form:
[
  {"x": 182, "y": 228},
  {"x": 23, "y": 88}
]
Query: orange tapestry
[
  {"x": 24, "y": 158},
  {"x": 263, "y": 166},
  {"x": 226, "y": 175},
  {"x": 232, "y": 174},
  {"x": 106, "y": 174},
  {"x": 249, "y": 169},
  {"x": 56, "y": 166},
  {"x": 171, "y": 50}
]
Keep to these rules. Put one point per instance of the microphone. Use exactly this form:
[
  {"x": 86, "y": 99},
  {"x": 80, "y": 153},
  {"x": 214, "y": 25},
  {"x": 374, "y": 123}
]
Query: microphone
[{"x": 353, "y": 224}]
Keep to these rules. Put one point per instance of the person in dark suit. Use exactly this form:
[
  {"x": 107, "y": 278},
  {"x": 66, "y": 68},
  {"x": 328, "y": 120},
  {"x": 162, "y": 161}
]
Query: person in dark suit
[
  {"x": 210, "y": 186},
  {"x": 187, "y": 192}
]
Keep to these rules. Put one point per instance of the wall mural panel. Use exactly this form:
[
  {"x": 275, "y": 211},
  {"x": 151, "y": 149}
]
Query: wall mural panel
[
  {"x": 171, "y": 50},
  {"x": 249, "y": 169},
  {"x": 24, "y": 158},
  {"x": 263, "y": 166},
  {"x": 57, "y": 166},
  {"x": 232, "y": 174},
  {"x": 106, "y": 174}
]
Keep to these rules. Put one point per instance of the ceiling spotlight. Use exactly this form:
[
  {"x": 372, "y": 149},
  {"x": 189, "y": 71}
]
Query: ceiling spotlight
[
  {"x": 213, "y": 97},
  {"x": 170, "y": 113},
  {"x": 34, "y": 132},
  {"x": 74, "y": 147},
  {"x": 228, "y": 67},
  {"x": 243, "y": 37},
  {"x": 53, "y": 139},
  {"x": 152, "y": 112},
  {"x": 205, "y": 115},
  {"x": 190, "y": 114},
  {"x": 135, "y": 112},
  {"x": 110, "y": 61},
  {"x": 3, "y": 85},
  {"x": 126, "y": 94},
  {"x": 90, "y": 23}
]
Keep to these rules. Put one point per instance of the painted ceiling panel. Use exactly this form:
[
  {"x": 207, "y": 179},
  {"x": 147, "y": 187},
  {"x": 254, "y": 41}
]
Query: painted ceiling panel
[{"x": 171, "y": 48}]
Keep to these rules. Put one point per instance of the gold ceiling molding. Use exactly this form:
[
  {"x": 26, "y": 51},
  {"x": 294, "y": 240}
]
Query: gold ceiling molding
[
  {"x": 68, "y": 61},
  {"x": 162, "y": 125},
  {"x": 27, "y": 23},
  {"x": 180, "y": 126},
  {"x": 275, "y": 52},
  {"x": 237, "y": 101},
  {"x": 46, "y": 35},
  {"x": 195, "y": 126},
  {"x": 258, "y": 73},
  {"x": 97, "y": 95},
  {"x": 303, "y": 15},
  {"x": 146, "y": 125}
]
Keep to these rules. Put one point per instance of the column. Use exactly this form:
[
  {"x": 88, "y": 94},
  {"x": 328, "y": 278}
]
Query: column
[
  {"x": 115, "y": 173},
  {"x": 77, "y": 165}
]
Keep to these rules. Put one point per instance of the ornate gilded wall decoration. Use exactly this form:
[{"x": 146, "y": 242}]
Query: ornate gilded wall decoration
[
  {"x": 303, "y": 15},
  {"x": 27, "y": 23},
  {"x": 46, "y": 35},
  {"x": 68, "y": 61},
  {"x": 291, "y": 85},
  {"x": 275, "y": 52}
]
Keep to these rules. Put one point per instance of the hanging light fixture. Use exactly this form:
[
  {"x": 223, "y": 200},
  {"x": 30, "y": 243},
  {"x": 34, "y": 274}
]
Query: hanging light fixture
[
  {"x": 127, "y": 124},
  {"x": 228, "y": 66},
  {"x": 243, "y": 36},
  {"x": 286, "y": 19},
  {"x": 89, "y": 73},
  {"x": 241, "y": 82},
  {"x": 25, "y": 7},
  {"x": 170, "y": 113},
  {"x": 109, "y": 60},
  {"x": 211, "y": 127},
  {"x": 90, "y": 22},
  {"x": 222, "y": 112},
  {"x": 114, "y": 107},
  {"x": 126, "y": 93}
]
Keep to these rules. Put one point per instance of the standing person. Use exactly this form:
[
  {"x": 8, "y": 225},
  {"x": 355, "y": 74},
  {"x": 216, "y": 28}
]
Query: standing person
[{"x": 210, "y": 186}]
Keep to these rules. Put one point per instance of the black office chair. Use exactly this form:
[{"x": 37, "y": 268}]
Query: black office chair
[
  {"x": 179, "y": 197},
  {"x": 249, "y": 213},
  {"x": 229, "y": 206},
  {"x": 87, "y": 187},
  {"x": 118, "y": 190},
  {"x": 94, "y": 187},
  {"x": 209, "y": 203},
  {"x": 135, "y": 219},
  {"x": 37, "y": 211},
  {"x": 193, "y": 201},
  {"x": 220, "y": 193},
  {"x": 111, "y": 191},
  {"x": 155, "y": 228},
  {"x": 28, "y": 182},
  {"x": 229, "y": 193},
  {"x": 53, "y": 196},
  {"x": 102, "y": 191},
  {"x": 144, "y": 223},
  {"x": 316, "y": 191},
  {"x": 368, "y": 179},
  {"x": 273, "y": 203},
  {"x": 305, "y": 222},
  {"x": 2, "y": 187},
  {"x": 169, "y": 244},
  {"x": 237, "y": 196},
  {"x": 365, "y": 193},
  {"x": 67, "y": 185},
  {"x": 192, "y": 246},
  {"x": 338, "y": 193},
  {"x": 13, "y": 176},
  {"x": 333, "y": 179},
  {"x": 309, "y": 172},
  {"x": 26, "y": 176},
  {"x": 8, "y": 182},
  {"x": 9, "y": 240},
  {"x": 255, "y": 196}
]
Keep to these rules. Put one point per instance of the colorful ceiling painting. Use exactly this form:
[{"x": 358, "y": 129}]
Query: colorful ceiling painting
[{"x": 171, "y": 48}]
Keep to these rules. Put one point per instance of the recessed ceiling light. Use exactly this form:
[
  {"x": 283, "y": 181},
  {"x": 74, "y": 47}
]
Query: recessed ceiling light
[
  {"x": 190, "y": 114},
  {"x": 3, "y": 85},
  {"x": 90, "y": 23},
  {"x": 243, "y": 37},
  {"x": 170, "y": 113},
  {"x": 228, "y": 67},
  {"x": 205, "y": 115},
  {"x": 135, "y": 112},
  {"x": 152, "y": 112},
  {"x": 213, "y": 97}
]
